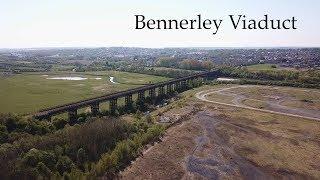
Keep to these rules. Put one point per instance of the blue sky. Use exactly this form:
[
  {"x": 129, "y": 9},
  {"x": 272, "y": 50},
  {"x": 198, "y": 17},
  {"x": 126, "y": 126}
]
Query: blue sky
[{"x": 94, "y": 23}]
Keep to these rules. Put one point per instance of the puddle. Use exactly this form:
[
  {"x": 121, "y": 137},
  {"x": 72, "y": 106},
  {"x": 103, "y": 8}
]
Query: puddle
[
  {"x": 226, "y": 79},
  {"x": 69, "y": 78},
  {"x": 112, "y": 80}
]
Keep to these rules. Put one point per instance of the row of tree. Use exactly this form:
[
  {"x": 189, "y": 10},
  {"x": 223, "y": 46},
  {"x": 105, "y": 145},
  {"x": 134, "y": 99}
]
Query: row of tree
[
  {"x": 190, "y": 64},
  {"x": 307, "y": 78}
]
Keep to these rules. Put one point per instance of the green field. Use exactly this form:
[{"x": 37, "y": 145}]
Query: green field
[
  {"x": 268, "y": 67},
  {"x": 29, "y": 92},
  {"x": 259, "y": 67}
]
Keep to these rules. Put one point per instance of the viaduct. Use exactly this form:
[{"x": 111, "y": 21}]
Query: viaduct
[{"x": 168, "y": 87}]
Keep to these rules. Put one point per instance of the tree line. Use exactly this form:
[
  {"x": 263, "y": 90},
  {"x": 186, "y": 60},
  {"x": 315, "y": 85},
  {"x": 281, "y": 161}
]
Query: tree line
[{"x": 307, "y": 78}]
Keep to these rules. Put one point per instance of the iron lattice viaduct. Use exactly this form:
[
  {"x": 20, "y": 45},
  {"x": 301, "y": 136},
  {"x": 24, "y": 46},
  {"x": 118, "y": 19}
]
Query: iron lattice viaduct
[{"x": 168, "y": 87}]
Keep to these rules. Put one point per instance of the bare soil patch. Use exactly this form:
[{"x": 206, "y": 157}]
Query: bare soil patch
[{"x": 211, "y": 141}]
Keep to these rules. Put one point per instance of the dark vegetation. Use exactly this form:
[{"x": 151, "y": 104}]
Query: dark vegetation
[
  {"x": 99, "y": 145},
  {"x": 297, "y": 78},
  {"x": 307, "y": 78},
  {"x": 189, "y": 64},
  {"x": 174, "y": 67},
  {"x": 166, "y": 72}
]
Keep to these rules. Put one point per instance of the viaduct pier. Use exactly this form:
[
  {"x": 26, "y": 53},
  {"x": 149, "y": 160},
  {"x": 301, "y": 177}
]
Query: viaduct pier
[{"x": 154, "y": 90}]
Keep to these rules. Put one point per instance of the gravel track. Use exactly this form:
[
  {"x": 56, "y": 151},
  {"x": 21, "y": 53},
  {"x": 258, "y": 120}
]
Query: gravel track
[{"x": 273, "y": 107}]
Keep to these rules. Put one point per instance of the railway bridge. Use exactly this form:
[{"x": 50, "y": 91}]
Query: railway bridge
[{"x": 157, "y": 89}]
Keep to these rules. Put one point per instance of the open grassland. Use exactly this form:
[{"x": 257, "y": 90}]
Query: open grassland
[
  {"x": 28, "y": 92},
  {"x": 267, "y": 67},
  {"x": 258, "y": 67},
  {"x": 265, "y": 97}
]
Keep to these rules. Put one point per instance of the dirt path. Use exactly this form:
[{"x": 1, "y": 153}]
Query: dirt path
[{"x": 273, "y": 107}]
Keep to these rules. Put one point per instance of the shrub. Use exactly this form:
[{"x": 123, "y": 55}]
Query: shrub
[
  {"x": 64, "y": 164},
  {"x": 81, "y": 156},
  {"x": 149, "y": 118},
  {"x": 81, "y": 120},
  {"x": 49, "y": 159},
  {"x": 10, "y": 121},
  {"x": 3, "y": 134},
  {"x": 36, "y": 127},
  {"x": 32, "y": 157},
  {"x": 59, "y": 123},
  {"x": 43, "y": 170}
]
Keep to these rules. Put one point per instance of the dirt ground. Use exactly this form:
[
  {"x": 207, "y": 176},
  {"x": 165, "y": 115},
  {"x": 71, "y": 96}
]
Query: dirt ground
[{"x": 210, "y": 141}]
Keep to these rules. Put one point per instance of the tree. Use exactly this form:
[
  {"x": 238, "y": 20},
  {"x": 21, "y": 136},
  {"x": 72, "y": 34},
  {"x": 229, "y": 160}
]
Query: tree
[
  {"x": 208, "y": 65},
  {"x": 59, "y": 123},
  {"x": 10, "y": 121}
]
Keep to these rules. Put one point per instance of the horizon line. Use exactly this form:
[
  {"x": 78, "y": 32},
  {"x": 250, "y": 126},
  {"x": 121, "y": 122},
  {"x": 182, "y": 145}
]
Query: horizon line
[{"x": 164, "y": 47}]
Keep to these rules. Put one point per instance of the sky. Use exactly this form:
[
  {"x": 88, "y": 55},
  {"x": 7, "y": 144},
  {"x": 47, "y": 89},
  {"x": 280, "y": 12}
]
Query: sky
[{"x": 104, "y": 23}]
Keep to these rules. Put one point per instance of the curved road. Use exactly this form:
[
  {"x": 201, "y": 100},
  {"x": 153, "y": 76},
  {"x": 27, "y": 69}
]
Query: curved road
[{"x": 276, "y": 108}]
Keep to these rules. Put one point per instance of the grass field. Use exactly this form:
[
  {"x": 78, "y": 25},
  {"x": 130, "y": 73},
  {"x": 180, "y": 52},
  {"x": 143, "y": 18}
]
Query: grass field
[
  {"x": 267, "y": 67},
  {"x": 258, "y": 67},
  {"x": 29, "y": 92}
]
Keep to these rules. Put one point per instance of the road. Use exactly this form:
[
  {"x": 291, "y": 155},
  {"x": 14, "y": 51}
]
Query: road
[{"x": 276, "y": 107}]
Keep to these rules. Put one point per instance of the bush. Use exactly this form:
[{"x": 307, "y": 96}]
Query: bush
[
  {"x": 3, "y": 134},
  {"x": 36, "y": 127},
  {"x": 81, "y": 156},
  {"x": 43, "y": 170},
  {"x": 10, "y": 121},
  {"x": 59, "y": 123},
  {"x": 49, "y": 159},
  {"x": 149, "y": 118},
  {"x": 34, "y": 156},
  {"x": 64, "y": 164},
  {"x": 81, "y": 120}
]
